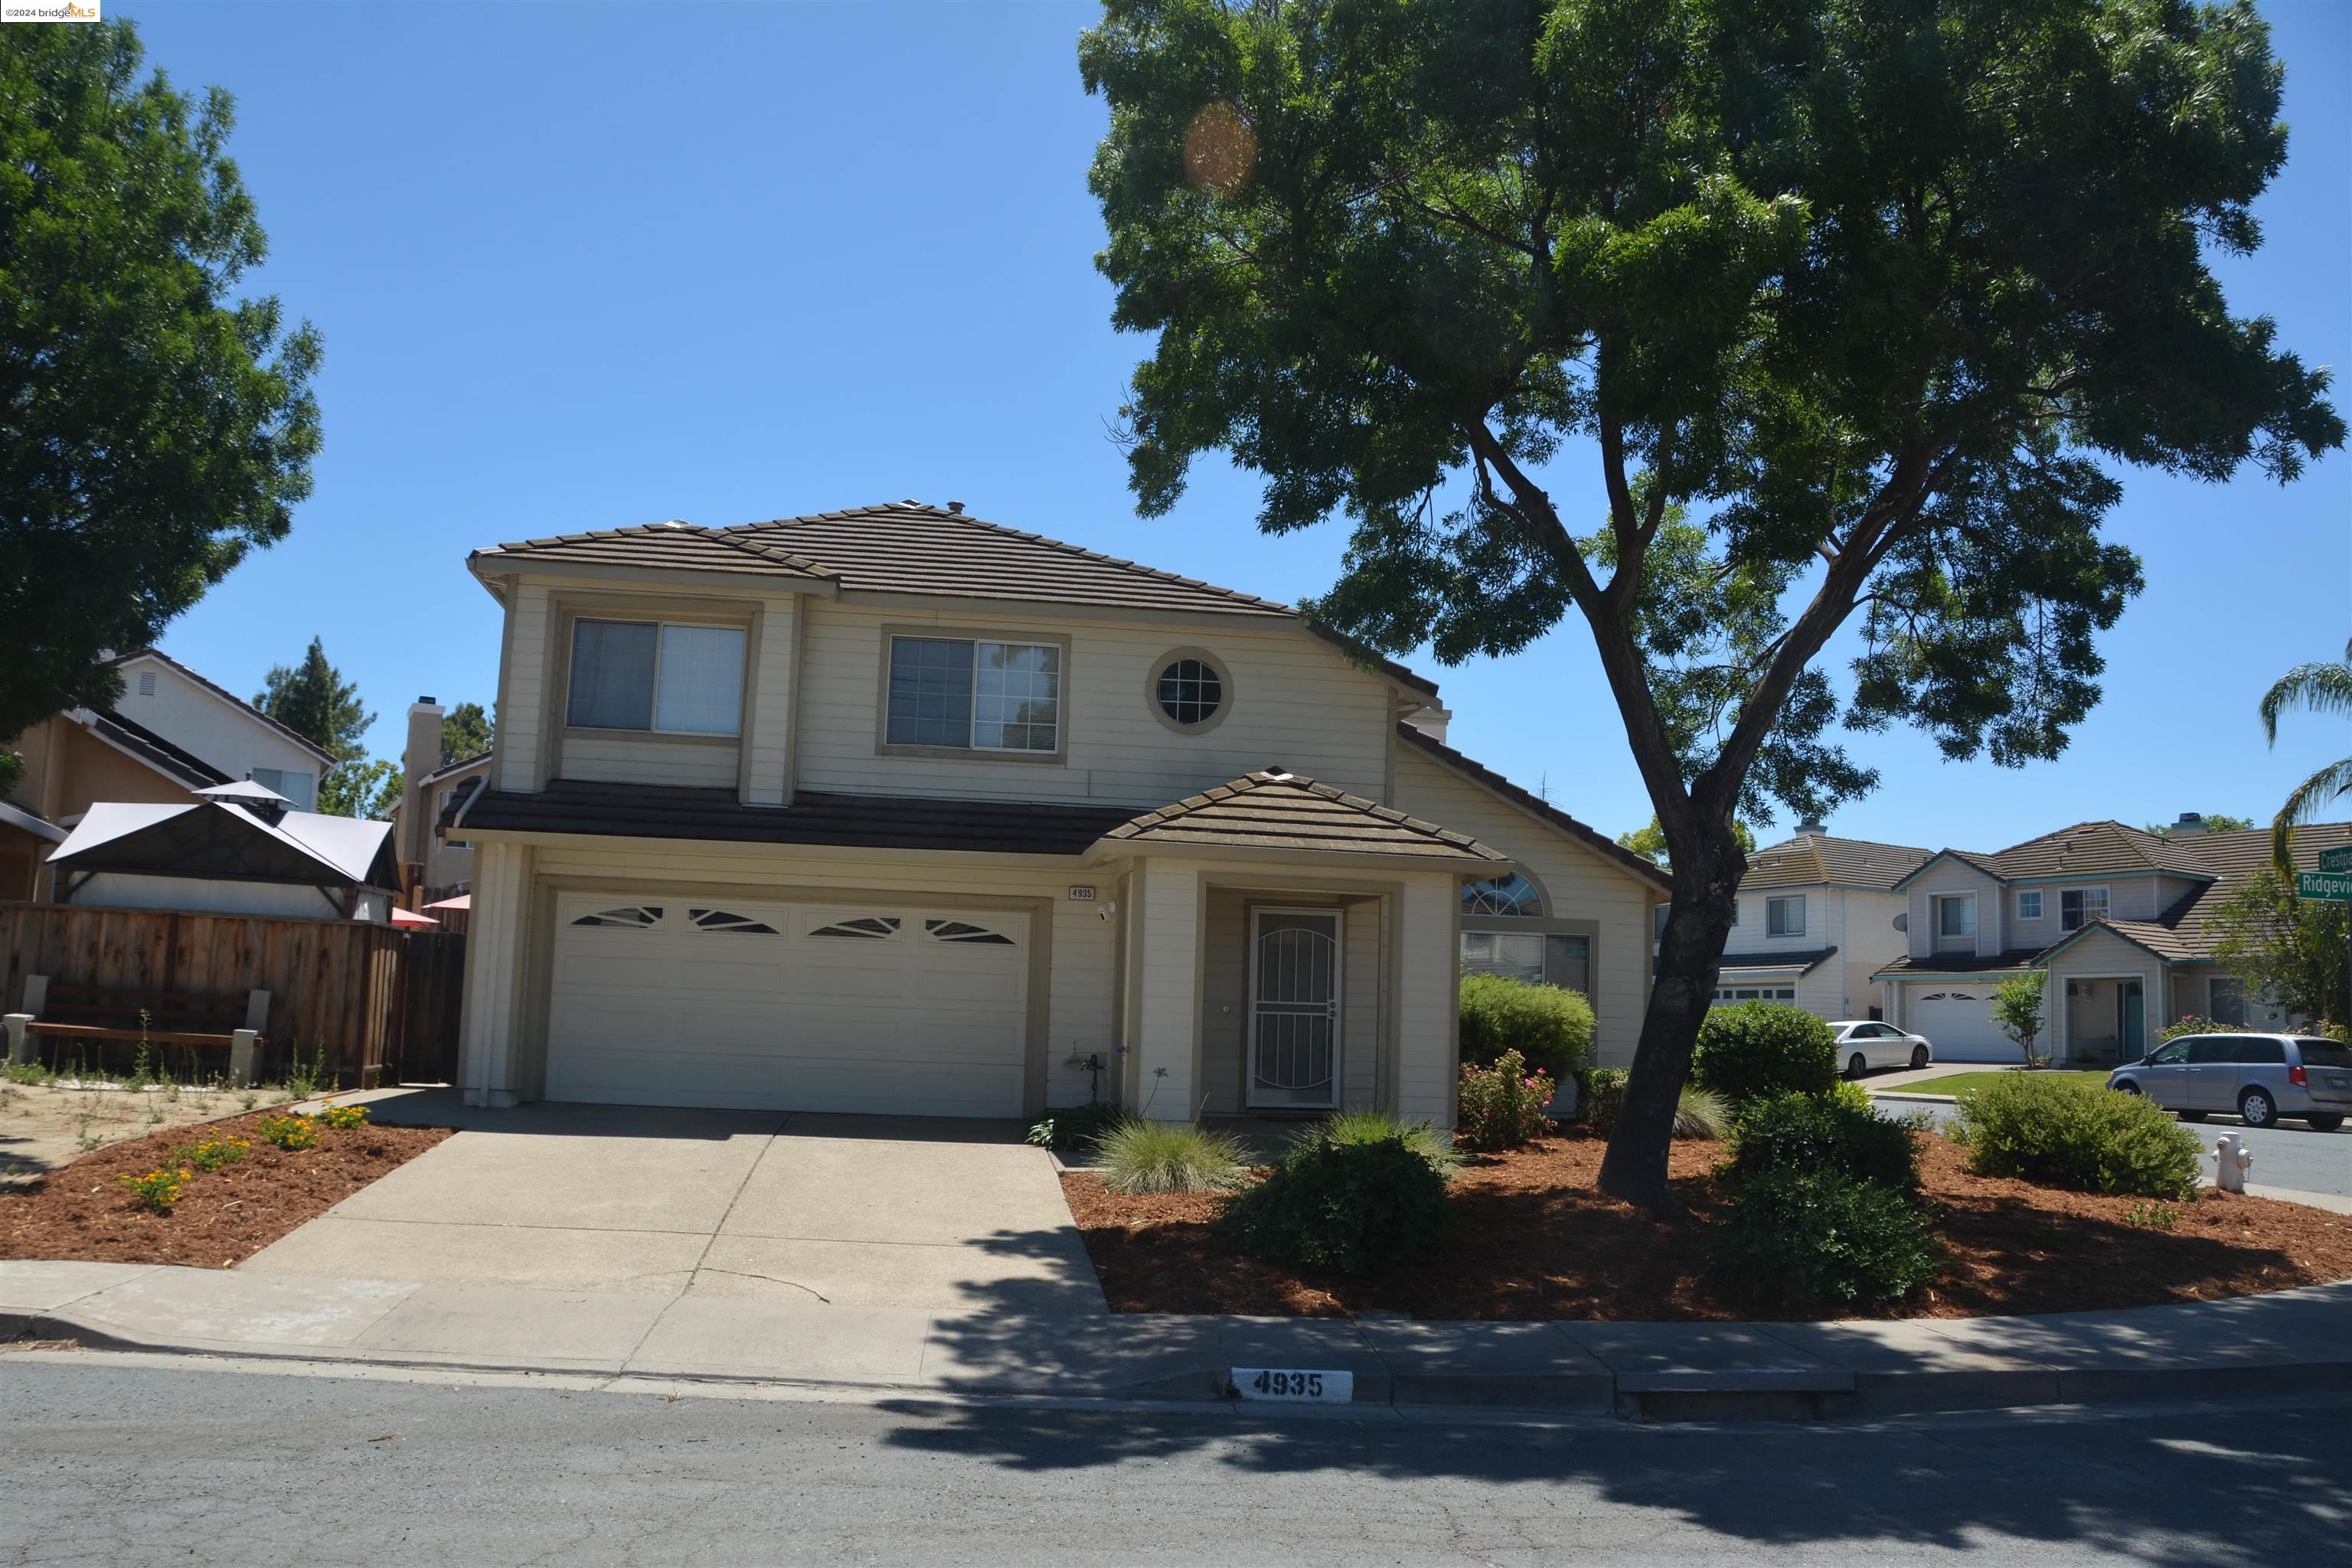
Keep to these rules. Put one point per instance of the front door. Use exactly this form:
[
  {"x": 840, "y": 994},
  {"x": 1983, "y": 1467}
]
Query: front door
[
  {"x": 2131, "y": 1021},
  {"x": 1295, "y": 1010}
]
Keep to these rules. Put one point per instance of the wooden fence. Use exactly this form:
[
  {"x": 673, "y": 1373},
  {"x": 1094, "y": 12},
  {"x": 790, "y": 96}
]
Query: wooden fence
[{"x": 341, "y": 987}]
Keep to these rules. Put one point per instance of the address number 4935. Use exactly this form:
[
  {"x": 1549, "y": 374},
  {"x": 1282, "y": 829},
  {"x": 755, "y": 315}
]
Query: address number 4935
[{"x": 1287, "y": 1383}]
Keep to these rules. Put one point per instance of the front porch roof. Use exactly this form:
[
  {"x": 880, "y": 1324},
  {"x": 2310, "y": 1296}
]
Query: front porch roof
[
  {"x": 1271, "y": 810},
  {"x": 2016, "y": 960},
  {"x": 1756, "y": 965}
]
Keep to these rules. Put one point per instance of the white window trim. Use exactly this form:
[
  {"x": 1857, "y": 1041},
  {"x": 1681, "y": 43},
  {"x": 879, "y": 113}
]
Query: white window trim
[
  {"x": 885, "y": 747},
  {"x": 2035, "y": 894},
  {"x": 1782, "y": 902},
  {"x": 2107, "y": 906},
  {"x": 654, "y": 724}
]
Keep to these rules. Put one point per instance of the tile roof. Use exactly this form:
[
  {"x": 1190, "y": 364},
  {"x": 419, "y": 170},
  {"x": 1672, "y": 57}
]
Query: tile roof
[
  {"x": 1961, "y": 963},
  {"x": 850, "y": 821},
  {"x": 1812, "y": 858},
  {"x": 1273, "y": 810},
  {"x": 2094, "y": 850},
  {"x": 172, "y": 762},
  {"x": 1803, "y": 961},
  {"x": 1593, "y": 838},
  {"x": 226, "y": 695}
]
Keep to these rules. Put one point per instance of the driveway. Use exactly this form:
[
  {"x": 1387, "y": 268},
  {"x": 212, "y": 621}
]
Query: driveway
[{"x": 849, "y": 1210}]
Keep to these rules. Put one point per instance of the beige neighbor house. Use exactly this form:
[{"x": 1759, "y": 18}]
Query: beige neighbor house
[
  {"x": 1815, "y": 919},
  {"x": 2116, "y": 916},
  {"x": 430, "y": 791},
  {"x": 174, "y": 734},
  {"x": 895, "y": 810}
]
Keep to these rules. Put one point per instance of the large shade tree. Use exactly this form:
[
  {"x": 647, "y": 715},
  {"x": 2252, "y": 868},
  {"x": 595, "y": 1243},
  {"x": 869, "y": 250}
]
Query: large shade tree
[
  {"x": 1721, "y": 325},
  {"x": 154, "y": 423}
]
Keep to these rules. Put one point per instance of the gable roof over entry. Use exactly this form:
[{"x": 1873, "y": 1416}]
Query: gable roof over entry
[{"x": 1271, "y": 810}]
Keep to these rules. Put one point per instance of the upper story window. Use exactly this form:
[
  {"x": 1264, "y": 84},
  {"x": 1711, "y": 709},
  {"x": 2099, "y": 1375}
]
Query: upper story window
[
  {"x": 1513, "y": 896},
  {"x": 1956, "y": 918},
  {"x": 2028, "y": 906},
  {"x": 1785, "y": 916},
  {"x": 656, "y": 675},
  {"x": 2078, "y": 907},
  {"x": 972, "y": 694},
  {"x": 297, "y": 787},
  {"x": 1190, "y": 690}
]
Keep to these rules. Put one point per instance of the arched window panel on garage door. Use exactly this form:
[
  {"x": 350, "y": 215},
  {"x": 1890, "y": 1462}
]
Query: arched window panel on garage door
[
  {"x": 638, "y": 917},
  {"x": 728, "y": 921},
  {"x": 967, "y": 932},
  {"x": 860, "y": 928}
]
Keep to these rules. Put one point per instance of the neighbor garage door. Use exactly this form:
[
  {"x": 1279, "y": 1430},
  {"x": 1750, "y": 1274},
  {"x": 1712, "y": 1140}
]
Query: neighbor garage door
[
  {"x": 1958, "y": 1021},
  {"x": 883, "y": 1008}
]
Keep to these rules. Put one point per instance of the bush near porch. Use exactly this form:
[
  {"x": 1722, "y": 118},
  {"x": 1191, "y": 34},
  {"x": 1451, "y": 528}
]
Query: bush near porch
[
  {"x": 1761, "y": 1048},
  {"x": 1550, "y": 1027}
]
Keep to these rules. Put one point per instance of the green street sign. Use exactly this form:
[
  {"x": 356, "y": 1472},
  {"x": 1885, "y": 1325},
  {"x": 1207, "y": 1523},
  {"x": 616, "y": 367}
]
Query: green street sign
[
  {"x": 2331, "y": 885},
  {"x": 2339, "y": 860}
]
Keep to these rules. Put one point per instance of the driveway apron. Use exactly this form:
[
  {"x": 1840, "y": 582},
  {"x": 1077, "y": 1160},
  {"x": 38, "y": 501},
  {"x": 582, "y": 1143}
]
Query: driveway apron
[{"x": 849, "y": 1210}]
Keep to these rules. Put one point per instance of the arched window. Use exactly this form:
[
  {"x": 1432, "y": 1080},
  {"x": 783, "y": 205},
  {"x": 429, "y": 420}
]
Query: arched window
[{"x": 1513, "y": 896}]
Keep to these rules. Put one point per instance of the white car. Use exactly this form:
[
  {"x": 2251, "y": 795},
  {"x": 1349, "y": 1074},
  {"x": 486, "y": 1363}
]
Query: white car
[{"x": 1863, "y": 1043}]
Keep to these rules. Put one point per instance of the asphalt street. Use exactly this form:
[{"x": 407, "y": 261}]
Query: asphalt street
[
  {"x": 119, "y": 1461},
  {"x": 2287, "y": 1155}
]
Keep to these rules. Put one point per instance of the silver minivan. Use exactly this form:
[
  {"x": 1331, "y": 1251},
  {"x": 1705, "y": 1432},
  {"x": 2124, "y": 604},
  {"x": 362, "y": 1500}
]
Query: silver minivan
[{"x": 2260, "y": 1077}]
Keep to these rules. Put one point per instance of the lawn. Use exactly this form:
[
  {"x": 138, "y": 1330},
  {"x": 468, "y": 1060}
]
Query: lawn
[
  {"x": 1532, "y": 1239},
  {"x": 1960, "y": 1080}
]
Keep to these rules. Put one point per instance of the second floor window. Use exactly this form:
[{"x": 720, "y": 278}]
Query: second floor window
[
  {"x": 2078, "y": 907},
  {"x": 654, "y": 675},
  {"x": 1785, "y": 916},
  {"x": 975, "y": 695},
  {"x": 2028, "y": 906},
  {"x": 1955, "y": 918}
]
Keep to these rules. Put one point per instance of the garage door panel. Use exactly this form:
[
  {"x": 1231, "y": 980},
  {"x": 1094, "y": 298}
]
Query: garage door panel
[
  {"x": 1957, "y": 1020},
  {"x": 903, "y": 1010}
]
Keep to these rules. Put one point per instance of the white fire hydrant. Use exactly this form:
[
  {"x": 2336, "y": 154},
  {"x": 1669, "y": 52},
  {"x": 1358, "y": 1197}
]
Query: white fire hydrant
[{"x": 2231, "y": 1161}]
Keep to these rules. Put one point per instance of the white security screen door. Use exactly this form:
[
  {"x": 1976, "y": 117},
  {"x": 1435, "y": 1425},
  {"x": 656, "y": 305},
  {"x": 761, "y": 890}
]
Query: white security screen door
[{"x": 1294, "y": 1008}]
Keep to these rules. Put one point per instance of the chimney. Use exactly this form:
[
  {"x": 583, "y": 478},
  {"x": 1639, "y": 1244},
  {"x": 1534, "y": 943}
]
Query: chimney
[
  {"x": 2192, "y": 822},
  {"x": 421, "y": 756},
  {"x": 956, "y": 507},
  {"x": 1431, "y": 720},
  {"x": 1815, "y": 829}
]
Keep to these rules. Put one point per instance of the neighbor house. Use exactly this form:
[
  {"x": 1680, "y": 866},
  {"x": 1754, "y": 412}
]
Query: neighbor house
[
  {"x": 430, "y": 790},
  {"x": 171, "y": 735},
  {"x": 892, "y": 809},
  {"x": 1815, "y": 919},
  {"x": 2118, "y": 917}
]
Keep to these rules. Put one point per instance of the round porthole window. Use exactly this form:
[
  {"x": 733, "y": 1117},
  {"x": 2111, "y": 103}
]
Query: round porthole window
[{"x": 1191, "y": 690}]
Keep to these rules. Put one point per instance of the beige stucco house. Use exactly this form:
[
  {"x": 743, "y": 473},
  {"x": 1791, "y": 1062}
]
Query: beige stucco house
[
  {"x": 2115, "y": 915},
  {"x": 895, "y": 810},
  {"x": 1815, "y": 919}
]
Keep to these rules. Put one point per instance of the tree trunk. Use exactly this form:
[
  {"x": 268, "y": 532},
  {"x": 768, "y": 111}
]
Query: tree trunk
[{"x": 1690, "y": 960}]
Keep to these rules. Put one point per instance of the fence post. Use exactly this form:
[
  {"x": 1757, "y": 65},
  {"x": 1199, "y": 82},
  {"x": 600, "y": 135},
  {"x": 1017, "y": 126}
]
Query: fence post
[
  {"x": 244, "y": 1047},
  {"x": 20, "y": 1038}
]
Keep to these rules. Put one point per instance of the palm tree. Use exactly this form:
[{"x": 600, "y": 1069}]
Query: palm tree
[{"x": 2321, "y": 688}]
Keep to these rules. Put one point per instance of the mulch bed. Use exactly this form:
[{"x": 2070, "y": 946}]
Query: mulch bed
[
  {"x": 1533, "y": 1240},
  {"x": 81, "y": 1210}
]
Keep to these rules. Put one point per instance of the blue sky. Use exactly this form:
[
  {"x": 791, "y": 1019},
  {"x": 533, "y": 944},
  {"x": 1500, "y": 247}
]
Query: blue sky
[{"x": 585, "y": 265}]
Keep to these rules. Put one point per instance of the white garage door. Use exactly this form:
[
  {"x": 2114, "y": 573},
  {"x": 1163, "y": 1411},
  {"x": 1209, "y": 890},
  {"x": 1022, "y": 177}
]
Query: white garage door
[
  {"x": 1958, "y": 1021},
  {"x": 893, "y": 1009}
]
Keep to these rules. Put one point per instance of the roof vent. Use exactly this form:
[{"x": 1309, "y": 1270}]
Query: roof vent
[
  {"x": 956, "y": 507},
  {"x": 2190, "y": 822}
]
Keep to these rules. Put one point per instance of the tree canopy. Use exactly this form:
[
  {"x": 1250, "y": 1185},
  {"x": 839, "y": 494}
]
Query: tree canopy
[
  {"x": 153, "y": 425},
  {"x": 1719, "y": 324},
  {"x": 2324, "y": 688},
  {"x": 466, "y": 732},
  {"x": 312, "y": 698},
  {"x": 1650, "y": 839},
  {"x": 2287, "y": 947}
]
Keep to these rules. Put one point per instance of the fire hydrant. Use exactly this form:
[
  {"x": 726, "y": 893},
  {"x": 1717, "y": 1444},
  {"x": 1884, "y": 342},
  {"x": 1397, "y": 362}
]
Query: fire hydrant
[{"x": 2231, "y": 1161}]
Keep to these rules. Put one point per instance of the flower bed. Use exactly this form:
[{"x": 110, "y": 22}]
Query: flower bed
[
  {"x": 216, "y": 1218},
  {"x": 1532, "y": 1239}
]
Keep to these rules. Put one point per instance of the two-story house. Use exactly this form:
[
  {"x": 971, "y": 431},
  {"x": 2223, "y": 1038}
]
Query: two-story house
[
  {"x": 2117, "y": 917},
  {"x": 895, "y": 810},
  {"x": 1815, "y": 919},
  {"x": 173, "y": 734}
]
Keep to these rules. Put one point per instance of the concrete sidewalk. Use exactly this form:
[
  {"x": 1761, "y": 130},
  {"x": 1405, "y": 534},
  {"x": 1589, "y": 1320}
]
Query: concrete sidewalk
[{"x": 2288, "y": 1341}]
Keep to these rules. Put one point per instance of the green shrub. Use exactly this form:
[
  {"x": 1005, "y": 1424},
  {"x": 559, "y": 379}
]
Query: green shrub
[
  {"x": 1760, "y": 1048},
  {"x": 1067, "y": 1127},
  {"x": 1356, "y": 1208},
  {"x": 1502, "y": 1106},
  {"x": 343, "y": 1118},
  {"x": 1600, "y": 1093},
  {"x": 1701, "y": 1113},
  {"x": 159, "y": 1189},
  {"x": 212, "y": 1151},
  {"x": 1852, "y": 1096},
  {"x": 1812, "y": 1241},
  {"x": 2066, "y": 1132},
  {"x": 1812, "y": 1132},
  {"x": 1170, "y": 1157},
  {"x": 1430, "y": 1142},
  {"x": 1548, "y": 1027},
  {"x": 2191, "y": 1023}
]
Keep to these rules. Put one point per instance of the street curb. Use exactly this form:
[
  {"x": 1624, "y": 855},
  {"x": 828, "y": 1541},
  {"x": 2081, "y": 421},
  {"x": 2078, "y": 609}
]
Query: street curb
[
  {"x": 1824, "y": 1392},
  {"x": 1914, "y": 1099}
]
